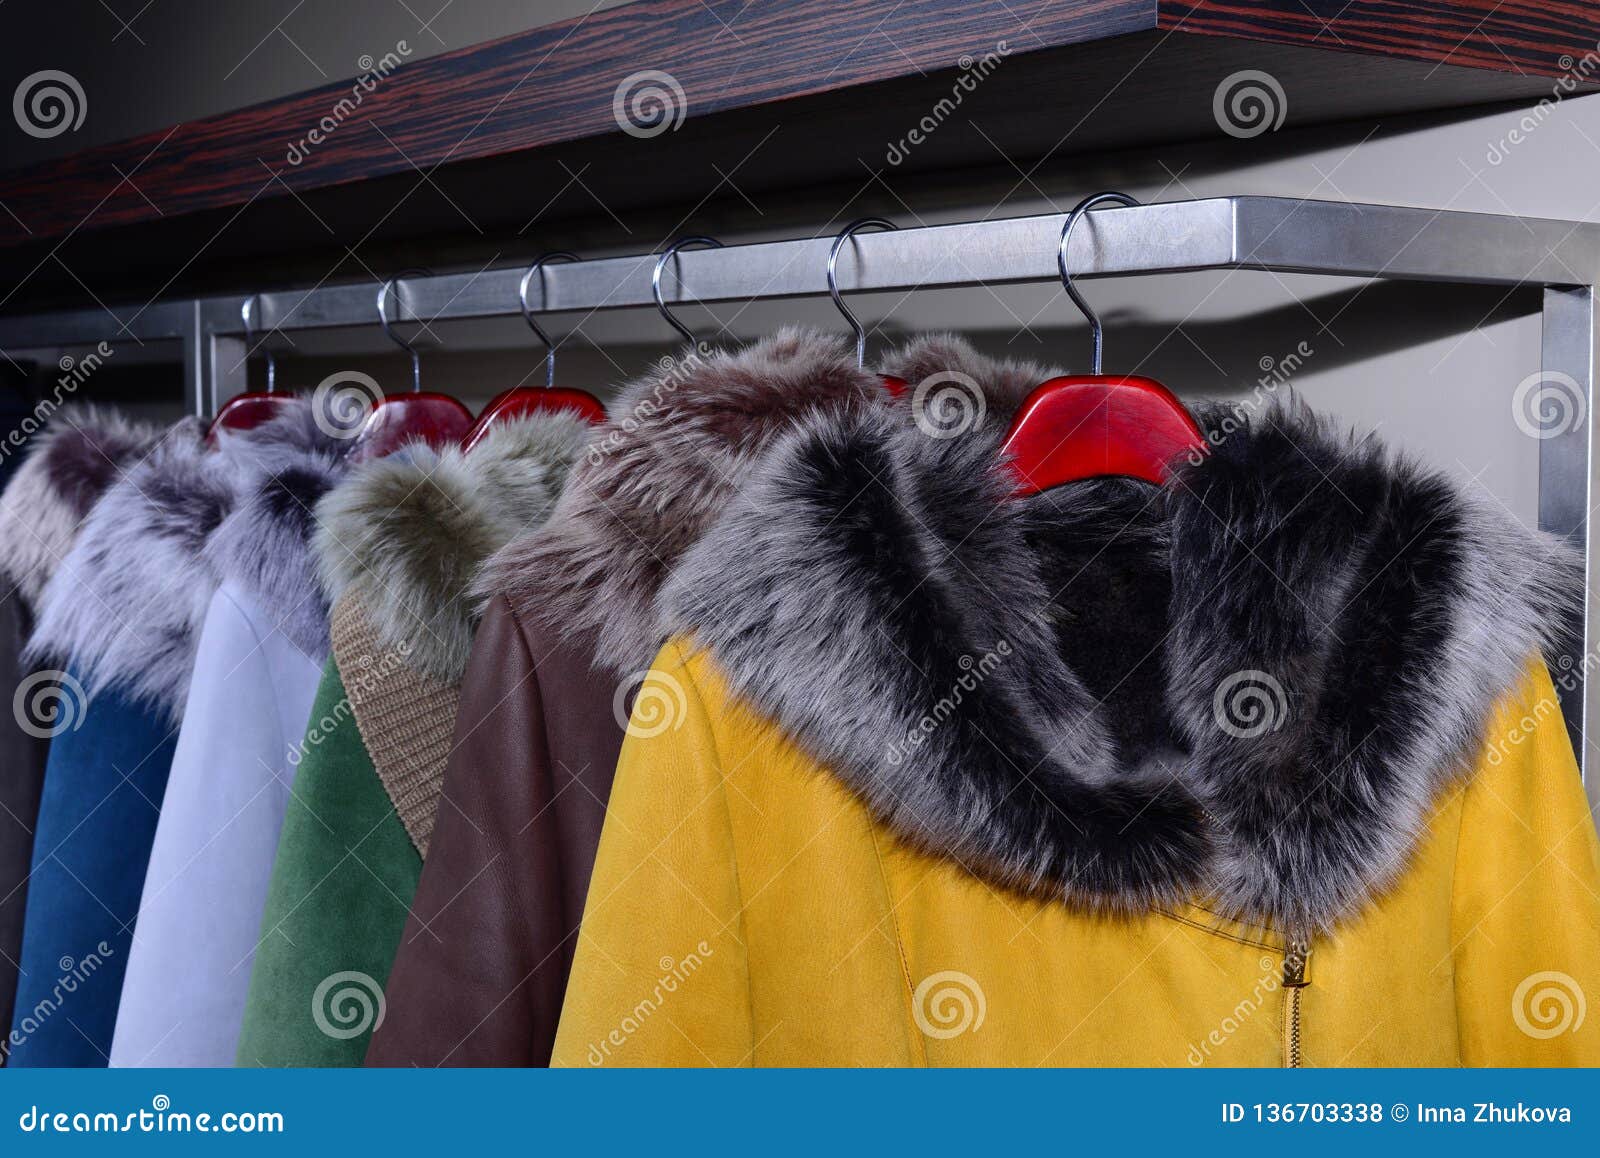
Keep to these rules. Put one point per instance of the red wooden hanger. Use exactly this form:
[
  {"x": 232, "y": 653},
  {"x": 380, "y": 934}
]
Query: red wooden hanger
[
  {"x": 420, "y": 416},
  {"x": 520, "y": 400},
  {"x": 249, "y": 410},
  {"x": 1080, "y": 426},
  {"x": 895, "y": 386}
]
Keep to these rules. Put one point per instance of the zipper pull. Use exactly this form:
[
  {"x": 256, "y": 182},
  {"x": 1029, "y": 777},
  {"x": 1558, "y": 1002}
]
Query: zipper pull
[{"x": 1295, "y": 959}]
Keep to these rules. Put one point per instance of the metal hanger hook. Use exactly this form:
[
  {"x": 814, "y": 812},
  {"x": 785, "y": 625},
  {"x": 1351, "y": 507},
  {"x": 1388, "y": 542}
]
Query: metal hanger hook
[
  {"x": 1079, "y": 210},
  {"x": 833, "y": 279},
  {"x": 667, "y": 255},
  {"x": 247, "y": 311},
  {"x": 537, "y": 270},
  {"x": 383, "y": 320}
]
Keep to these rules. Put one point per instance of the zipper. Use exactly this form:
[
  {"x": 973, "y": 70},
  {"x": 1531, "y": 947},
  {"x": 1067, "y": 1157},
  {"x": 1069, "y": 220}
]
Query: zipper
[{"x": 1295, "y": 980}]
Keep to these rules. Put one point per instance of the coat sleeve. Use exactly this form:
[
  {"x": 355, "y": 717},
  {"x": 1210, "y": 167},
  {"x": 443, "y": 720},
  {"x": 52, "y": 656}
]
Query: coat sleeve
[
  {"x": 471, "y": 984},
  {"x": 661, "y": 977},
  {"x": 1526, "y": 906}
]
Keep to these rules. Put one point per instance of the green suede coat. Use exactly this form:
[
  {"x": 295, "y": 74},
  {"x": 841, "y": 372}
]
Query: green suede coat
[{"x": 344, "y": 877}]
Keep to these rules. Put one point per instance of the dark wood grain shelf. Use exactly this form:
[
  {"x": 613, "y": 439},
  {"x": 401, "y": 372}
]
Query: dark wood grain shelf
[{"x": 482, "y": 140}]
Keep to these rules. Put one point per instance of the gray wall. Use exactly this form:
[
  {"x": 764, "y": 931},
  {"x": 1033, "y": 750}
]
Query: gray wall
[{"x": 1433, "y": 368}]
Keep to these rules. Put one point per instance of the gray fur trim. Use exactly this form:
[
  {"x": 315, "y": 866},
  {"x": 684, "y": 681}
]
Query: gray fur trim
[
  {"x": 125, "y": 607},
  {"x": 80, "y": 451},
  {"x": 948, "y": 360},
  {"x": 284, "y": 468},
  {"x": 875, "y": 580},
  {"x": 407, "y": 533},
  {"x": 675, "y": 447}
]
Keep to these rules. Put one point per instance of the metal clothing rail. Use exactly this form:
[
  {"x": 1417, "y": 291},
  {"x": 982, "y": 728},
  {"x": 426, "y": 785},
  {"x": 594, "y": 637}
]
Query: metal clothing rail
[{"x": 1279, "y": 234}]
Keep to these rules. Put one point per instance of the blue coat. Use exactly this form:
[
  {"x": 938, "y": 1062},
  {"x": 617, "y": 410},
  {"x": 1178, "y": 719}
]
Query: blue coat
[{"x": 97, "y": 816}]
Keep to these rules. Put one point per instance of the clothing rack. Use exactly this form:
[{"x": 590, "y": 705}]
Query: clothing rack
[{"x": 1278, "y": 234}]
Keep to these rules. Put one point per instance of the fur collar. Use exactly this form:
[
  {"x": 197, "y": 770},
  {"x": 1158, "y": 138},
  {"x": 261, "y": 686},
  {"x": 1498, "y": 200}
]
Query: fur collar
[
  {"x": 1248, "y": 685},
  {"x": 70, "y": 463},
  {"x": 652, "y": 477},
  {"x": 263, "y": 543},
  {"x": 406, "y": 534},
  {"x": 961, "y": 387},
  {"x": 125, "y": 607}
]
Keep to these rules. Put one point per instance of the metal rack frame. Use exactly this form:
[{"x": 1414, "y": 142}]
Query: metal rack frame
[{"x": 1285, "y": 235}]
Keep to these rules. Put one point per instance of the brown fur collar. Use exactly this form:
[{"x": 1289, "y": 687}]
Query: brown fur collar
[
  {"x": 679, "y": 443},
  {"x": 81, "y": 451}
]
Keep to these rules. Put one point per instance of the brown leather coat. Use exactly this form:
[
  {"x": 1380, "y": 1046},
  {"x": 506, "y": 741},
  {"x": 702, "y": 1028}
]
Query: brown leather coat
[{"x": 487, "y": 948}]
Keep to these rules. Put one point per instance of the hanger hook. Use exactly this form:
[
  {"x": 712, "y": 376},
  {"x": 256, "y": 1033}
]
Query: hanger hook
[
  {"x": 537, "y": 269},
  {"x": 247, "y": 311},
  {"x": 383, "y": 320},
  {"x": 1078, "y": 211},
  {"x": 833, "y": 279},
  {"x": 667, "y": 255}
]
